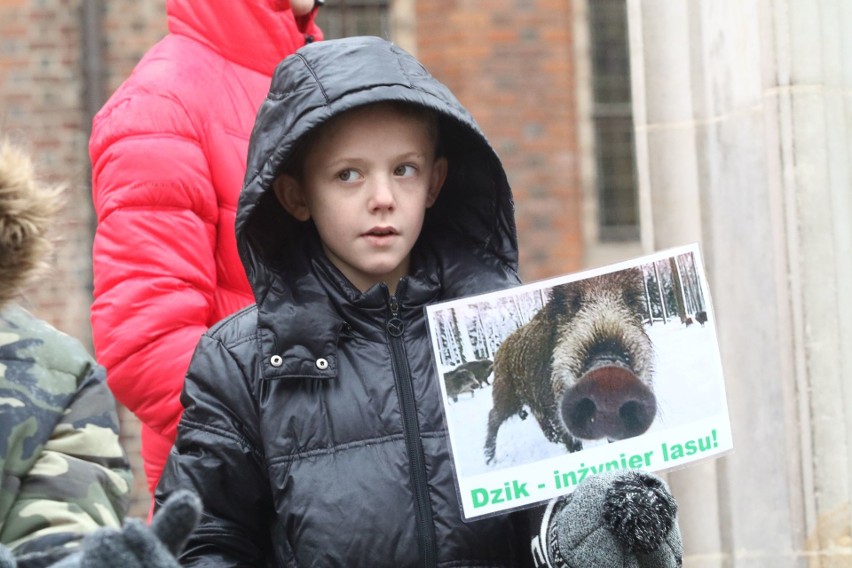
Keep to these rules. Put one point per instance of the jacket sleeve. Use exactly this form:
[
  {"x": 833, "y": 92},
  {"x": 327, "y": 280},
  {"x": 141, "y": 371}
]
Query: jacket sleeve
[
  {"x": 153, "y": 254},
  {"x": 80, "y": 482},
  {"x": 217, "y": 455}
]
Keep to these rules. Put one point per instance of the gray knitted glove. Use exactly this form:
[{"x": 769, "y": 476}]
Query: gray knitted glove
[
  {"x": 620, "y": 519},
  {"x": 6, "y": 558},
  {"x": 32, "y": 559},
  {"x": 136, "y": 545}
]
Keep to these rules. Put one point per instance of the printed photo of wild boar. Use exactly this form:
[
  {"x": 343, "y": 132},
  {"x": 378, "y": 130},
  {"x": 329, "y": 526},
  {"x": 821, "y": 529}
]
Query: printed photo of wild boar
[
  {"x": 577, "y": 362},
  {"x": 583, "y": 365}
]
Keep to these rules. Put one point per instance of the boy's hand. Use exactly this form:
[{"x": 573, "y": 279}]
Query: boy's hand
[{"x": 625, "y": 518}]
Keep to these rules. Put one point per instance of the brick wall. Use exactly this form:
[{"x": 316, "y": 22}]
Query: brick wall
[
  {"x": 511, "y": 64},
  {"x": 130, "y": 28}
]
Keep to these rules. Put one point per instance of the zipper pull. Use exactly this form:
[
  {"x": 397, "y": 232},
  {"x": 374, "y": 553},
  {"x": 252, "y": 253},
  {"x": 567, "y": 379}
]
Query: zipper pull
[{"x": 395, "y": 325}]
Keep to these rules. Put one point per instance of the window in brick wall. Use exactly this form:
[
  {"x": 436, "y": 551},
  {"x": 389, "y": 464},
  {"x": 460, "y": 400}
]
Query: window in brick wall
[
  {"x": 612, "y": 122},
  {"x": 344, "y": 18}
]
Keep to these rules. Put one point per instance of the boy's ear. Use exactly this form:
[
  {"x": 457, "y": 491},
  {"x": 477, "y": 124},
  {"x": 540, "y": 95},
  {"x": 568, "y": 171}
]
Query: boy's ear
[
  {"x": 439, "y": 175},
  {"x": 291, "y": 197}
]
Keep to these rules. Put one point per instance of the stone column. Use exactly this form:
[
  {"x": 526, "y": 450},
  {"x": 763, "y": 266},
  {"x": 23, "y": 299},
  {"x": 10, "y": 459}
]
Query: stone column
[
  {"x": 669, "y": 178},
  {"x": 742, "y": 114}
]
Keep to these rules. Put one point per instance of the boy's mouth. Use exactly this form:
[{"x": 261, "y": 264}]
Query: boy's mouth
[{"x": 381, "y": 232}]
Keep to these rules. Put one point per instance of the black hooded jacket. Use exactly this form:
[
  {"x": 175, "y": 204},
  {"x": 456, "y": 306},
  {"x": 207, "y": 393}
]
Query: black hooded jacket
[{"x": 313, "y": 427}]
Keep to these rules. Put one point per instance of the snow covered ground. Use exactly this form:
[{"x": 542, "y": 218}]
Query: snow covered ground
[{"x": 688, "y": 384}]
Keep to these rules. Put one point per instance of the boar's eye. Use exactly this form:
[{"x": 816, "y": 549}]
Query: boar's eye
[
  {"x": 566, "y": 299},
  {"x": 576, "y": 302}
]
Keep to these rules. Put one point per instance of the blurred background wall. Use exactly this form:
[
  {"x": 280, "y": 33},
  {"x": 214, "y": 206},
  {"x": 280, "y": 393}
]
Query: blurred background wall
[{"x": 626, "y": 126}]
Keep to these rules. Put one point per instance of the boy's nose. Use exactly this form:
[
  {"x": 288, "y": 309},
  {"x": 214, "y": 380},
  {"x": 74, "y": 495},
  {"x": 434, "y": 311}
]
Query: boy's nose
[{"x": 382, "y": 196}]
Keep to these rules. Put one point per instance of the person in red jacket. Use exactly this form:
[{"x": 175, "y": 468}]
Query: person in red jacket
[{"x": 168, "y": 153}]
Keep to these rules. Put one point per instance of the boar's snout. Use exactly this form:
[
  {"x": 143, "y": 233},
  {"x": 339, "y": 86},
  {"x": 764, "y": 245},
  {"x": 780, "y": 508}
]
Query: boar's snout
[{"x": 608, "y": 402}]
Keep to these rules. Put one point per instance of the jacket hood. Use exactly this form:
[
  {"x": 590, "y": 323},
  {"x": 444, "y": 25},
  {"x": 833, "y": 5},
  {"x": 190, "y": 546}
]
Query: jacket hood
[
  {"x": 474, "y": 211},
  {"x": 27, "y": 210},
  {"x": 253, "y": 33}
]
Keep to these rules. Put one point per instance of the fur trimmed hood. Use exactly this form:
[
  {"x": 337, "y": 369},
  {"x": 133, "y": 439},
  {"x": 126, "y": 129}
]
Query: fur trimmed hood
[{"x": 27, "y": 211}]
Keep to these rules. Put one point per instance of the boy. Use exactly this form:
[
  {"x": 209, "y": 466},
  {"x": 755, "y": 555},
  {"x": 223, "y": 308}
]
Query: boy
[{"x": 313, "y": 426}]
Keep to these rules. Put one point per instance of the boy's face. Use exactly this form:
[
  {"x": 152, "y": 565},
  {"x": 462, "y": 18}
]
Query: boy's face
[{"x": 368, "y": 178}]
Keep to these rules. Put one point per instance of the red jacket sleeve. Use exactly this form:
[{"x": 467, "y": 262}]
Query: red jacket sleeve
[{"x": 153, "y": 256}]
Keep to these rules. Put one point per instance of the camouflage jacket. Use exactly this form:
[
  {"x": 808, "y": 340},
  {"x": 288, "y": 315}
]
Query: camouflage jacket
[{"x": 64, "y": 473}]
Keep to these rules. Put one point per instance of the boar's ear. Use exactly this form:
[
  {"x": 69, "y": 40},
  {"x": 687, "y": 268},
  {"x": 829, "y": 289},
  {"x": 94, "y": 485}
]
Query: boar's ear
[{"x": 565, "y": 298}]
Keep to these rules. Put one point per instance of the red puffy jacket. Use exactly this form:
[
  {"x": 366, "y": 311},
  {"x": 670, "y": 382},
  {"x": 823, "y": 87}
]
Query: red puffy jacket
[{"x": 168, "y": 155}]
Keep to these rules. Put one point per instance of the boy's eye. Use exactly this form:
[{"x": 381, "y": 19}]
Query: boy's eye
[
  {"x": 348, "y": 175},
  {"x": 405, "y": 170}
]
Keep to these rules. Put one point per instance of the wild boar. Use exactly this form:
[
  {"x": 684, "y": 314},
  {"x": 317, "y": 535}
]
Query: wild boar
[
  {"x": 458, "y": 381},
  {"x": 481, "y": 369},
  {"x": 583, "y": 365}
]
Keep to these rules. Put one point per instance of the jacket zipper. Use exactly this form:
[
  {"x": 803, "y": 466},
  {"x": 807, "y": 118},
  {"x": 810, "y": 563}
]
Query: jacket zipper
[{"x": 411, "y": 430}]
